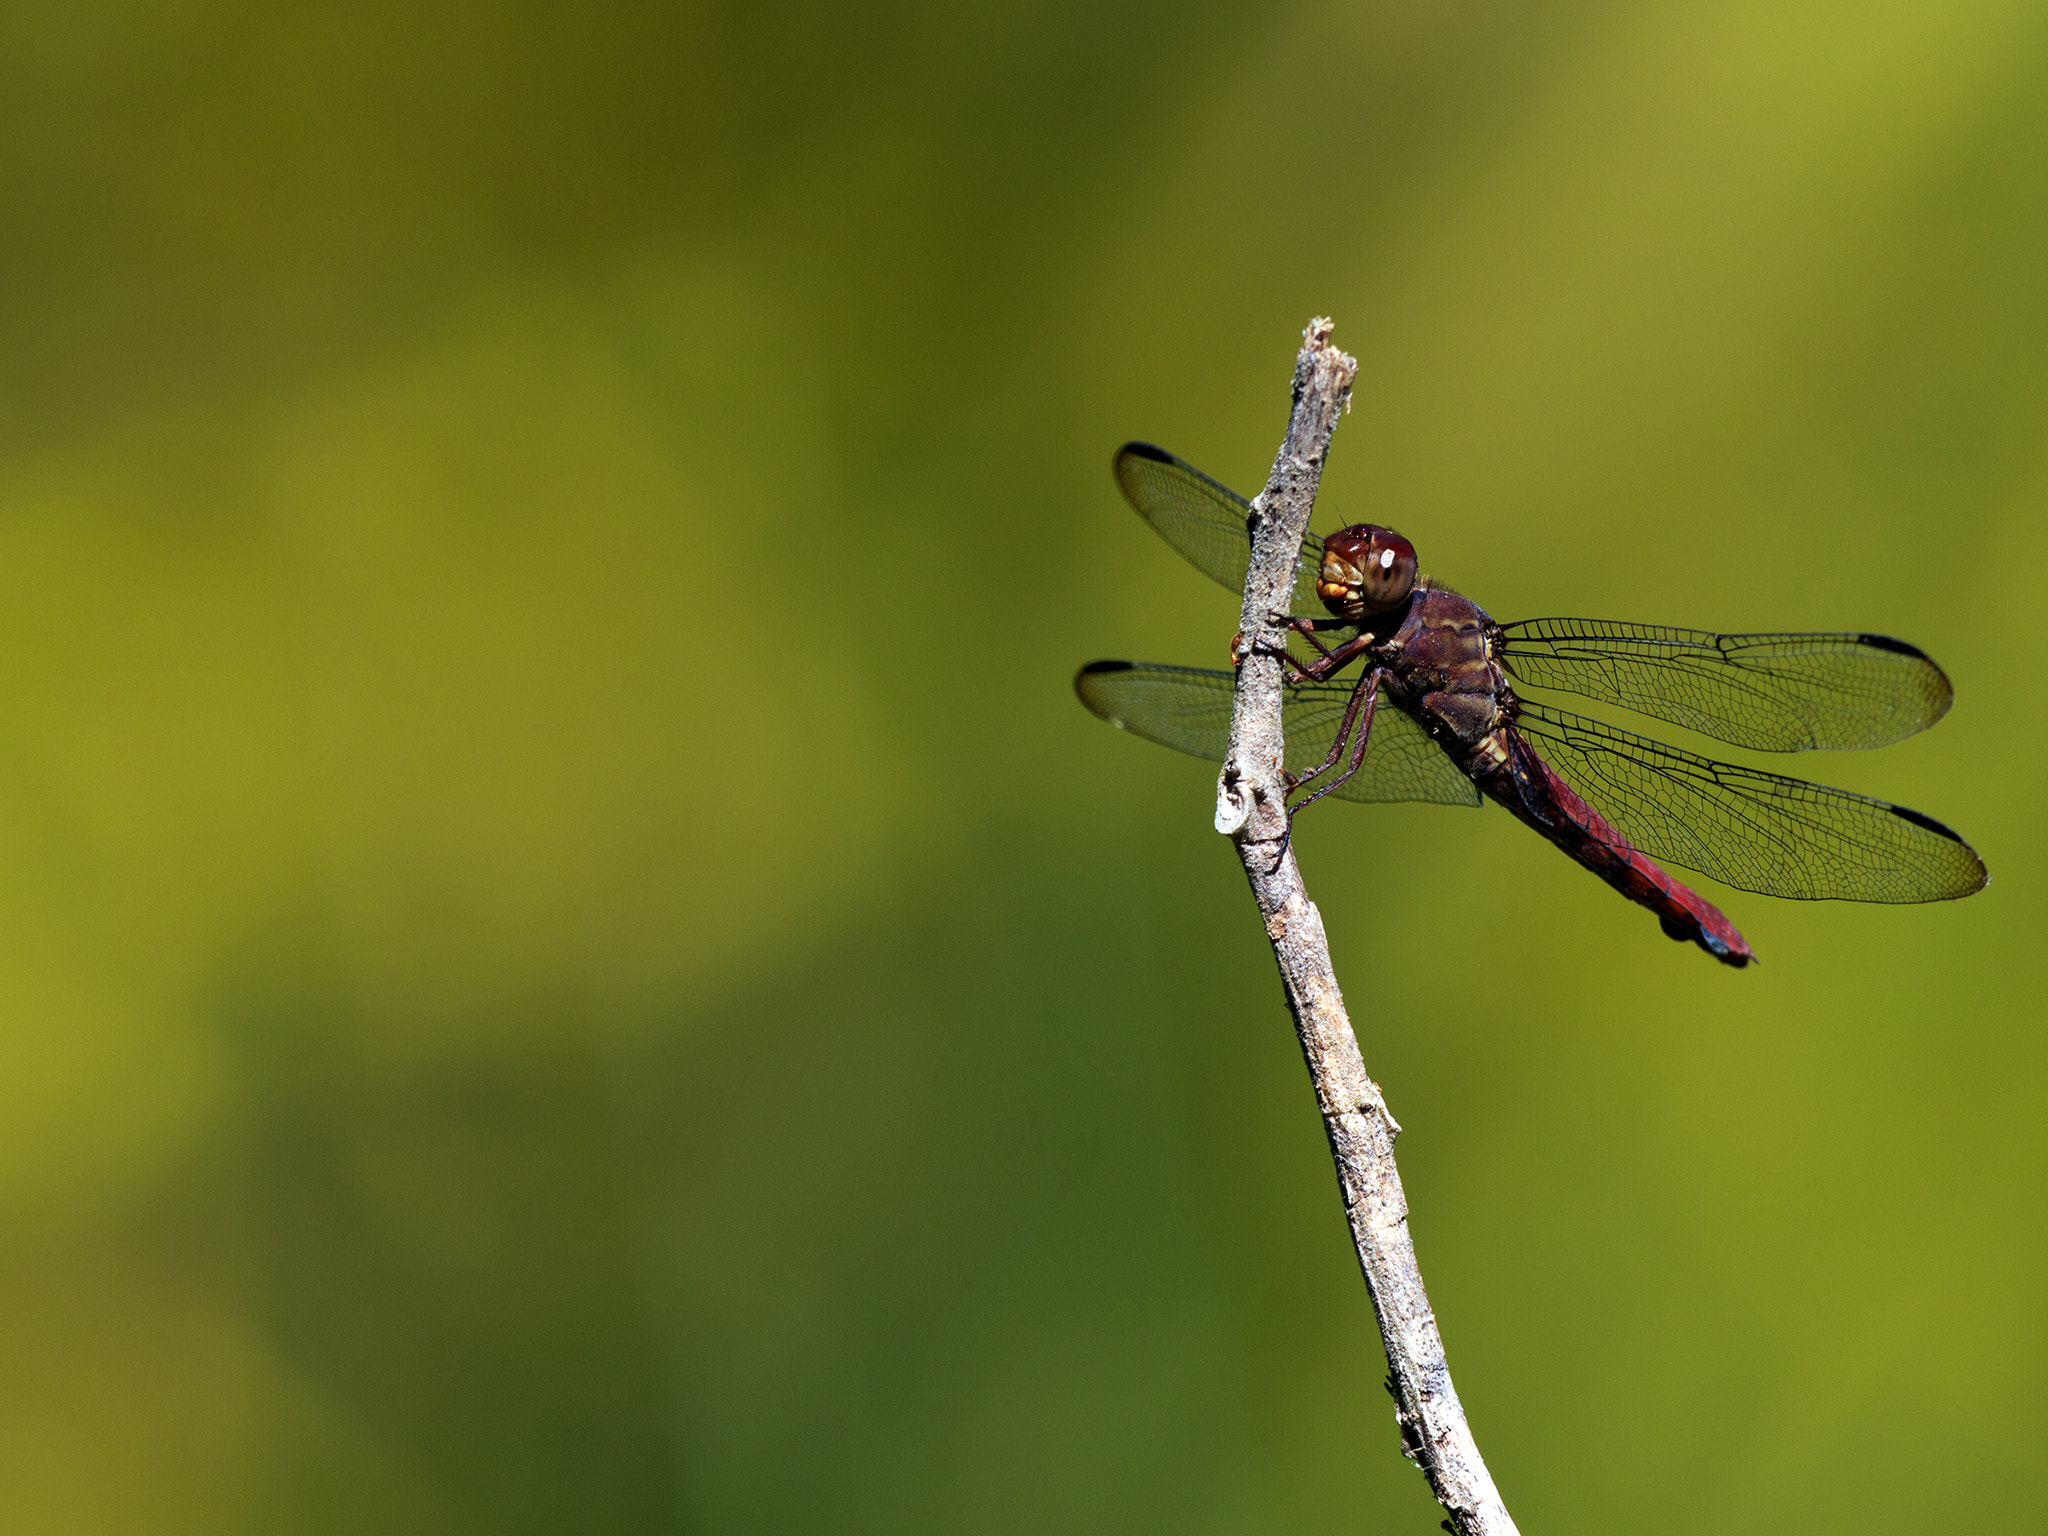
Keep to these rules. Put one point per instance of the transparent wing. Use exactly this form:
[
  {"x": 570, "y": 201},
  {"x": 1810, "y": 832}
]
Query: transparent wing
[
  {"x": 1205, "y": 521},
  {"x": 1188, "y": 709},
  {"x": 1753, "y": 830},
  {"x": 1775, "y": 693}
]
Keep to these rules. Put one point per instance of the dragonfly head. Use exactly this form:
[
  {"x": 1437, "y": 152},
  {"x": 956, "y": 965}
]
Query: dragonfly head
[{"x": 1367, "y": 569}]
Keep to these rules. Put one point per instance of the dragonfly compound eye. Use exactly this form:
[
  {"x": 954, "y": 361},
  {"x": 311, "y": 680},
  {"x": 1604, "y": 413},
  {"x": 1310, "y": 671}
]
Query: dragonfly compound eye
[{"x": 1366, "y": 569}]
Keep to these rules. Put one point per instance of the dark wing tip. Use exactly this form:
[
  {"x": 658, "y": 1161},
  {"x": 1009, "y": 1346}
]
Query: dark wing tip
[
  {"x": 1929, "y": 824},
  {"x": 1137, "y": 450},
  {"x": 1091, "y": 698},
  {"x": 1887, "y": 643},
  {"x": 1926, "y": 823}
]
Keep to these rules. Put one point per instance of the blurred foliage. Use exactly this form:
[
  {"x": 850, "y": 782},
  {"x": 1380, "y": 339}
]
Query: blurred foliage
[{"x": 569, "y": 963}]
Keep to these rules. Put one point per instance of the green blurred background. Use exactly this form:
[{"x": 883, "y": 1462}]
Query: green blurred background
[{"x": 569, "y": 963}]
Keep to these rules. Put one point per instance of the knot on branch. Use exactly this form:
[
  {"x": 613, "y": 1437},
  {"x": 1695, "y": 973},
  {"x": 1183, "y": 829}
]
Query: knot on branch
[
  {"x": 1413, "y": 1445},
  {"x": 1235, "y": 799}
]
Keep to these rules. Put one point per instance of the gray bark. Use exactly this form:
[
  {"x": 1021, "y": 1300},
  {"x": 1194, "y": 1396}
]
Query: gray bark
[{"x": 1251, "y": 801}]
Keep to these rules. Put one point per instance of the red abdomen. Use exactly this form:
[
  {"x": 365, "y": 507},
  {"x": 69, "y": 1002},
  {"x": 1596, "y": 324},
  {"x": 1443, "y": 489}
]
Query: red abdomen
[{"x": 1528, "y": 787}]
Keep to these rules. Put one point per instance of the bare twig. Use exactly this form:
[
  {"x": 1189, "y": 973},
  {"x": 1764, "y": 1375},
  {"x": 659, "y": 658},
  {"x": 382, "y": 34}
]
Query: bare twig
[{"x": 1251, "y": 809}]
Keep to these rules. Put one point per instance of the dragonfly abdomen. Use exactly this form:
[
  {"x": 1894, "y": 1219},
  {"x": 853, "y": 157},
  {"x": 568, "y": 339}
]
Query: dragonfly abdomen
[{"x": 1519, "y": 779}]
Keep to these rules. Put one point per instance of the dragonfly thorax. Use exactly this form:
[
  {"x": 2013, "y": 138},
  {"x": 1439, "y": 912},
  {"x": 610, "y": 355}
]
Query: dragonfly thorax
[{"x": 1441, "y": 664}]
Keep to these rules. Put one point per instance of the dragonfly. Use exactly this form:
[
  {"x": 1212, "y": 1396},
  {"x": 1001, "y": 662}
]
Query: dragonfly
[{"x": 1438, "y": 715}]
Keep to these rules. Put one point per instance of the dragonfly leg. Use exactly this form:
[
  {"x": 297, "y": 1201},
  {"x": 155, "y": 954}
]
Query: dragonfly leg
[
  {"x": 1355, "y": 731},
  {"x": 1297, "y": 671},
  {"x": 1307, "y": 628},
  {"x": 1280, "y": 848},
  {"x": 1338, "y": 744},
  {"x": 1329, "y": 663}
]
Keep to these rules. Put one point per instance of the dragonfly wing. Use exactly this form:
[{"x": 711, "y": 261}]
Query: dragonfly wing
[
  {"x": 1188, "y": 709},
  {"x": 1753, "y": 830},
  {"x": 1206, "y": 521},
  {"x": 1774, "y": 693}
]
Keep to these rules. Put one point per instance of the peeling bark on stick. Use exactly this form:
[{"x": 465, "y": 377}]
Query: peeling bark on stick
[{"x": 1251, "y": 798}]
